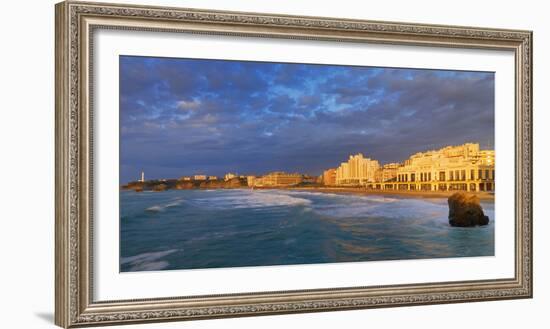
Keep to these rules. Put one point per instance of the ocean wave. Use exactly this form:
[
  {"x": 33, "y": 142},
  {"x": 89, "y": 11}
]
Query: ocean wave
[
  {"x": 336, "y": 205},
  {"x": 149, "y": 261},
  {"x": 376, "y": 207},
  {"x": 308, "y": 193},
  {"x": 252, "y": 199},
  {"x": 346, "y": 196},
  {"x": 162, "y": 207}
]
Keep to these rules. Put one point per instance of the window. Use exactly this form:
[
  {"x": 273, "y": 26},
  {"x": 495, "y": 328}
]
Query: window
[
  {"x": 472, "y": 174},
  {"x": 451, "y": 175}
]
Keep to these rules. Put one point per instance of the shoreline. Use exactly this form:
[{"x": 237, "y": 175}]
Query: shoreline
[
  {"x": 410, "y": 194},
  {"x": 486, "y": 196}
]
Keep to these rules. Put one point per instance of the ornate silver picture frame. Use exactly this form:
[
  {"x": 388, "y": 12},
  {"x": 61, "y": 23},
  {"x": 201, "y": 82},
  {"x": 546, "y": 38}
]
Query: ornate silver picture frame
[{"x": 76, "y": 23}]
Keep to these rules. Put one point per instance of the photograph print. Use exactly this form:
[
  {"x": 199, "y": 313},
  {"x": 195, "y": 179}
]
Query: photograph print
[{"x": 227, "y": 163}]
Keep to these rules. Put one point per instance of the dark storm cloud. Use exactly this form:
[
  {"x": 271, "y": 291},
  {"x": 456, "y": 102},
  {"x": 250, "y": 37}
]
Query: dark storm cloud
[{"x": 180, "y": 117}]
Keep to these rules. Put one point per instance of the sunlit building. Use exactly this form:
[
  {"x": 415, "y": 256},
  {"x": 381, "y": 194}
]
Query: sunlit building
[
  {"x": 307, "y": 179},
  {"x": 250, "y": 180},
  {"x": 342, "y": 173},
  {"x": 278, "y": 178},
  {"x": 199, "y": 177},
  {"x": 358, "y": 170},
  {"x": 229, "y": 176},
  {"x": 387, "y": 172},
  {"x": 329, "y": 177},
  {"x": 464, "y": 167}
]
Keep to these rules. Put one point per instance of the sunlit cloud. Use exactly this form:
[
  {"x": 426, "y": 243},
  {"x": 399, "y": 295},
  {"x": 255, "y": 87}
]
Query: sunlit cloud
[{"x": 180, "y": 116}]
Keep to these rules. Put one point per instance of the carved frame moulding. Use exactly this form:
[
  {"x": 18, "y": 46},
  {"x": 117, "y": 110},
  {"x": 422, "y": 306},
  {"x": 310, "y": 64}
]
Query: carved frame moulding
[{"x": 76, "y": 23}]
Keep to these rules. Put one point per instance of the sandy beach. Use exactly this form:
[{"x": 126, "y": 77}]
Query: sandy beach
[{"x": 409, "y": 194}]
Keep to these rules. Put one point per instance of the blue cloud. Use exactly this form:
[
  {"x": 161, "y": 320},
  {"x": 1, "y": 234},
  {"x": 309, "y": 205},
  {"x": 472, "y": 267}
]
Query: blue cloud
[{"x": 184, "y": 116}]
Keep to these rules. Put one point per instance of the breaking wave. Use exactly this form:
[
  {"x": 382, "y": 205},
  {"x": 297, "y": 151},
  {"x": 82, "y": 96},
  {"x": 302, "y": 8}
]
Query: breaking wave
[
  {"x": 252, "y": 199},
  {"x": 149, "y": 261},
  {"x": 376, "y": 207},
  {"x": 162, "y": 207},
  {"x": 241, "y": 227}
]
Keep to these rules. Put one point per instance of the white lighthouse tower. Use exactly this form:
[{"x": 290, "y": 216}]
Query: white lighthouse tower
[{"x": 142, "y": 177}]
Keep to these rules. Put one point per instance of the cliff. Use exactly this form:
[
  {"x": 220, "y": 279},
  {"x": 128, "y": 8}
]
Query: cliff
[{"x": 173, "y": 184}]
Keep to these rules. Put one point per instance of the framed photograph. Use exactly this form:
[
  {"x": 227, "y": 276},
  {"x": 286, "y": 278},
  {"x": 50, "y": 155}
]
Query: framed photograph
[{"x": 217, "y": 164}]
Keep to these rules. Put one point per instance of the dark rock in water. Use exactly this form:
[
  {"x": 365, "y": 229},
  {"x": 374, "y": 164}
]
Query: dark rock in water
[{"x": 465, "y": 210}]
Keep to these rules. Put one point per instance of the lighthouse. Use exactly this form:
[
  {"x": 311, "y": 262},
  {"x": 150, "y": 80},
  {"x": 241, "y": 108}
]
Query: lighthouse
[{"x": 142, "y": 177}]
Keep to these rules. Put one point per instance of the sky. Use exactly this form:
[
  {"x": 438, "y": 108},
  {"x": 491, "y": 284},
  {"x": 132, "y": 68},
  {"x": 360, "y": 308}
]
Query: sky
[{"x": 180, "y": 117}]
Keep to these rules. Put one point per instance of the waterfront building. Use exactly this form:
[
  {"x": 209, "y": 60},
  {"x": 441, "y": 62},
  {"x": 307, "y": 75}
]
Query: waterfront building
[
  {"x": 212, "y": 177},
  {"x": 199, "y": 177},
  {"x": 185, "y": 178},
  {"x": 387, "y": 172},
  {"x": 342, "y": 172},
  {"x": 357, "y": 171},
  {"x": 250, "y": 180},
  {"x": 463, "y": 167},
  {"x": 329, "y": 177},
  {"x": 229, "y": 176},
  {"x": 278, "y": 178},
  {"x": 309, "y": 179}
]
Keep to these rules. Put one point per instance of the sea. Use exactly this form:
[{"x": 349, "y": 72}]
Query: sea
[{"x": 197, "y": 229}]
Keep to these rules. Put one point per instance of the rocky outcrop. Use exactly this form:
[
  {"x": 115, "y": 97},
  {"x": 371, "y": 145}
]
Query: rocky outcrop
[
  {"x": 136, "y": 186},
  {"x": 465, "y": 210},
  {"x": 160, "y": 187},
  {"x": 184, "y": 185},
  {"x": 235, "y": 182},
  {"x": 171, "y": 184}
]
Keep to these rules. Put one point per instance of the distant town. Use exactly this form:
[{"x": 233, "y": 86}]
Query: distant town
[{"x": 453, "y": 168}]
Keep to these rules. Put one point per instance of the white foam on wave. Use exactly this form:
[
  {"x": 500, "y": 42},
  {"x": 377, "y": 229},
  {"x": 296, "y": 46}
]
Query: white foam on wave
[
  {"x": 328, "y": 195},
  {"x": 149, "y": 261},
  {"x": 367, "y": 206},
  {"x": 162, "y": 207},
  {"x": 155, "y": 208},
  {"x": 346, "y": 196},
  {"x": 252, "y": 199}
]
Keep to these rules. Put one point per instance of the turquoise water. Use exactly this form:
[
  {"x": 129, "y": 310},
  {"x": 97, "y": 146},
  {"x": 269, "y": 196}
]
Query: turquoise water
[{"x": 189, "y": 229}]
